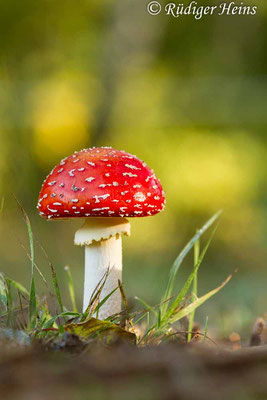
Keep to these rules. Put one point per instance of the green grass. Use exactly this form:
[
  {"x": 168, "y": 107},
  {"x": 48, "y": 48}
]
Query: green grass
[
  {"x": 194, "y": 290},
  {"x": 23, "y": 310}
]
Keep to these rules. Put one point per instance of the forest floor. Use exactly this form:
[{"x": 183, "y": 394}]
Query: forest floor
[{"x": 171, "y": 371}]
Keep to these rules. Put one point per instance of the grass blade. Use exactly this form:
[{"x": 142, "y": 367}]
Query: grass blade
[
  {"x": 18, "y": 286},
  {"x": 56, "y": 287},
  {"x": 206, "y": 329},
  {"x": 94, "y": 299},
  {"x": 178, "y": 261},
  {"x": 98, "y": 290},
  {"x": 36, "y": 266},
  {"x": 10, "y": 314},
  {"x": 123, "y": 296},
  {"x": 100, "y": 304},
  {"x": 48, "y": 324},
  {"x": 187, "y": 284},
  {"x": 71, "y": 289},
  {"x": 33, "y": 305},
  {"x": 147, "y": 306},
  {"x": 194, "y": 290},
  {"x": 33, "y": 302},
  {"x": 126, "y": 321},
  {"x": 159, "y": 317},
  {"x": 145, "y": 314},
  {"x": 193, "y": 306},
  {"x": 3, "y": 294}
]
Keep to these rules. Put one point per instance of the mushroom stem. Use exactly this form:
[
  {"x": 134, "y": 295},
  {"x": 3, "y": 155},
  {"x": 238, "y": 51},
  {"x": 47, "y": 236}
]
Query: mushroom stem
[
  {"x": 103, "y": 249},
  {"x": 99, "y": 256}
]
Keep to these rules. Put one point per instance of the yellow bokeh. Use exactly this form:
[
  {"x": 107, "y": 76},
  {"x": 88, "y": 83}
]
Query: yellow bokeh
[
  {"x": 206, "y": 171},
  {"x": 60, "y": 120},
  {"x": 201, "y": 171}
]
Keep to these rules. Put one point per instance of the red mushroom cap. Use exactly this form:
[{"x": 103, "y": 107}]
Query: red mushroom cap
[{"x": 101, "y": 182}]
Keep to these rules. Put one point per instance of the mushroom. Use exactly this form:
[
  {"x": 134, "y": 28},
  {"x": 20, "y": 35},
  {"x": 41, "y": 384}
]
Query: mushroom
[{"x": 103, "y": 186}]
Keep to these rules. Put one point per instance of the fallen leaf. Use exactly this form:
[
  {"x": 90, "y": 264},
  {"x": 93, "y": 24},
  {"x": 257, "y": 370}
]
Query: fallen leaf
[{"x": 94, "y": 327}]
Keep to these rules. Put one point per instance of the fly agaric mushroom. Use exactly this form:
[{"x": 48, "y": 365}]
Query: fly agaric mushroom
[{"x": 103, "y": 186}]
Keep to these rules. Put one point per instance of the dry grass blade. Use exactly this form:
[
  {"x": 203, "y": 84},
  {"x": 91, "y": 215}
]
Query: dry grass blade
[
  {"x": 94, "y": 300},
  {"x": 192, "y": 333},
  {"x": 36, "y": 266},
  {"x": 124, "y": 300},
  {"x": 127, "y": 320}
]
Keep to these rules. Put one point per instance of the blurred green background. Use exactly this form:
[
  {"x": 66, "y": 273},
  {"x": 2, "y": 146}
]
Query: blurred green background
[{"x": 187, "y": 96}]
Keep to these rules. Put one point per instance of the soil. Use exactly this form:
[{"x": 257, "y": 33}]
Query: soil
[{"x": 171, "y": 371}]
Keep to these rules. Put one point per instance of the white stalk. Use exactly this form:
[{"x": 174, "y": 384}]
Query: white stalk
[
  {"x": 103, "y": 249},
  {"x": 100, "y": 256}
]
